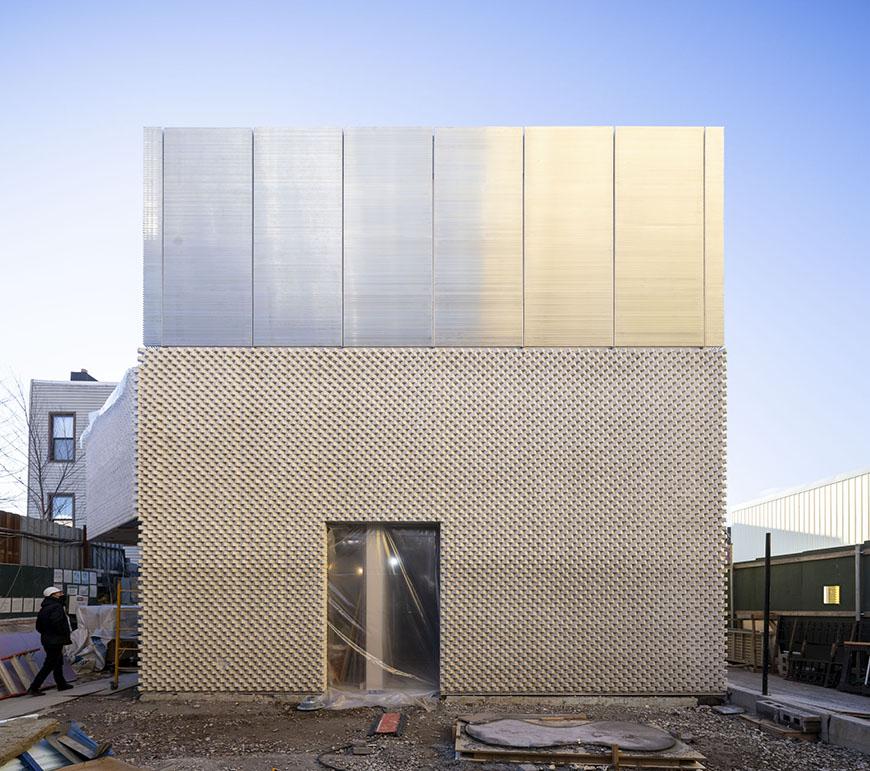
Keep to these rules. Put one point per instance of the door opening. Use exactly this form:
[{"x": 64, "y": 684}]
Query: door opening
[{"x": 383, "y": 611}]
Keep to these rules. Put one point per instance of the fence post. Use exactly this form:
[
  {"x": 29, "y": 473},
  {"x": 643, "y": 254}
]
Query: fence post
[{"x": 765, "y": 641}]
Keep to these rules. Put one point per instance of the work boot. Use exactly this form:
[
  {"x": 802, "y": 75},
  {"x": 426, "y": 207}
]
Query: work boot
[
  {"x": 34, "y": 691},
  {"x": 64, "y": 687}
]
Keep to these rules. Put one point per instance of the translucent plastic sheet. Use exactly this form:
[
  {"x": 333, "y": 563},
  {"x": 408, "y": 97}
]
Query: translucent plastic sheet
[{"x": 382, "y": 615}]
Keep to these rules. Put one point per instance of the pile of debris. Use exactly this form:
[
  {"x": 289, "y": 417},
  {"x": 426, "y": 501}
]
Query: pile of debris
[
  {"x": 38, "y": 744},
  {"x": 569, "y": 739}
]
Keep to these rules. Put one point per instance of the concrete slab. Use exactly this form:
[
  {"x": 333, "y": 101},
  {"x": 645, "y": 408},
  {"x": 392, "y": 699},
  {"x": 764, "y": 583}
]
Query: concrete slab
[
  {"x": 26, "y": 705},
  {"x": 837, "y": 725},
  {"x": 826, "y": 698}
]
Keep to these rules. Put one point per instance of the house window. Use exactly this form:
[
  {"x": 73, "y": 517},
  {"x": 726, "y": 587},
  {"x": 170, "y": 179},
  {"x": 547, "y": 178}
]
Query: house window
[
  {"x": 63, "y": 508},
  {"x": 63, "y": 437},
  {"x": 832, "y": 595}
]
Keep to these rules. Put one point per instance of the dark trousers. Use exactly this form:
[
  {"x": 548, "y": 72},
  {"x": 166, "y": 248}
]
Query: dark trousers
[{"x": 53, "y": 664}]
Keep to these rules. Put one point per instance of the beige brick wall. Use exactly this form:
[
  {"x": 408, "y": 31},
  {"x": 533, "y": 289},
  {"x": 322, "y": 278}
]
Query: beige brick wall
[{"x": 580, "y": 496}]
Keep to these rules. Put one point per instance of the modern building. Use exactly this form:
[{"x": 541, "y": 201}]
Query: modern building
[
  {"x": 433, "y": 409},
  {"x": 821, "y": 515},
  {"x": 58, "y": 414}
]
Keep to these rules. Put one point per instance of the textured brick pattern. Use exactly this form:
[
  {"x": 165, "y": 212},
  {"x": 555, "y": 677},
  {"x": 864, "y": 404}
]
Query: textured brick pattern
[{"x": 579, "y": 494}]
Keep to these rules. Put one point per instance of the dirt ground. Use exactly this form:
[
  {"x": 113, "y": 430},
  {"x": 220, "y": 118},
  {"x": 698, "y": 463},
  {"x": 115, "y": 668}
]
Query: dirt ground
[{"x": 210, "y": 735}]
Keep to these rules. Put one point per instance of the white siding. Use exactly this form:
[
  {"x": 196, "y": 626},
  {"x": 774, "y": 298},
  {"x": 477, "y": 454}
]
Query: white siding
[{"x": 46, "y": 397}]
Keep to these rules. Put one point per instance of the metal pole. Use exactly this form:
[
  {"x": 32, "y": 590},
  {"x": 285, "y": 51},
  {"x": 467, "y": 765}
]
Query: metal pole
[
  {"x": 858, "y": 587},
  {"x": 86, "y": 549},
  {"x": 117, "y": 674},
  {"x": 765, "y": 640}
]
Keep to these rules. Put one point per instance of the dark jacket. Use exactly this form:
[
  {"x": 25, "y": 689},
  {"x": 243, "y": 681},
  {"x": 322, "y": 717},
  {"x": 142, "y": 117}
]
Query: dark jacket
[{"x": 52, "y": 622}]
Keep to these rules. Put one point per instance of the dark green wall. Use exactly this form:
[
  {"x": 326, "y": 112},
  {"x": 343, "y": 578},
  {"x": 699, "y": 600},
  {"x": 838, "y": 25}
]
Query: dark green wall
[
  {"x": 798, "y": 585},
  {"x": 18, "y": 581}
]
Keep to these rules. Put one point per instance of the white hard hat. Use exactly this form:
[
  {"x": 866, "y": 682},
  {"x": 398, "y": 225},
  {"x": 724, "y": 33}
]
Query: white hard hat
[{"x": 51, "y": 590}]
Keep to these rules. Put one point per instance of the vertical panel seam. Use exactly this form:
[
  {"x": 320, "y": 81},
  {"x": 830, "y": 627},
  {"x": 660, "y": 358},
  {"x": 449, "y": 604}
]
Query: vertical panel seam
[
  {"x": 613, "y": 239},
  {"x": 523, "y": 250},
  {"x": 341, "y": 334},
  {"x": 162, "y": 228},
  {"x": 252, "y": 237},
  {"x": 432, "y": 247},
  {"x": 704, "y": 239}
]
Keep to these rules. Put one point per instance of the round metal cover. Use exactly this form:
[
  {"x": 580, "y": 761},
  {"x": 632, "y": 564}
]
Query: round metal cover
[{"x": 511, "y": 732}]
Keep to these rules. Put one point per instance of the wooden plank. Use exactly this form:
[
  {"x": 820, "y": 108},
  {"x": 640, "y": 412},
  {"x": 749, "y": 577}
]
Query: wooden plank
[
  {"x": 605, "y": 761},
  {"x": 63, "y": 751},
  {"x": 777, "y": 730},
  {"x": 18, "y": 736},
  {"x": 75, "y": 746},
  {"x": 105, "y": 764}
]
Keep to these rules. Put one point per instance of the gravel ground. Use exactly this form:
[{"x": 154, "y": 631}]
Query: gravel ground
[{"x": 260, "y": 736}]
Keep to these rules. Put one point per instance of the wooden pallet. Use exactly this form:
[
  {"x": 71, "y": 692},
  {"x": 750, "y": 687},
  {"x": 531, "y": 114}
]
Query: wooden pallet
[{"x": 680, "y": 756}]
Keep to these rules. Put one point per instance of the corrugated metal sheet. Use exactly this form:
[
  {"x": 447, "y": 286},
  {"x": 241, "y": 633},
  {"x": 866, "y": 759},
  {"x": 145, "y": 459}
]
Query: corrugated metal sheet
[
  {"x": 388, "y": 236},
  {"x": 478, "y": 219},
  {"x": 569, "y": 236},
  {"x": 714, "y": 236},
  {"x": 748, "y": 541},
  {"x": 152, "y": 234},
  {"x": 837, "y": 508},
  {"x": 361, "y": 237},
  {"x": 297, "y": 236},
  {"x": 208, "y": 233},
  {"x": 54, "y": 546},
  {"x": 659, "y": 236}
]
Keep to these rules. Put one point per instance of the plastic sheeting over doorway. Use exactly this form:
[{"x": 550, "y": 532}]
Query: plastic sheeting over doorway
[{"x": 383, "y": 613}]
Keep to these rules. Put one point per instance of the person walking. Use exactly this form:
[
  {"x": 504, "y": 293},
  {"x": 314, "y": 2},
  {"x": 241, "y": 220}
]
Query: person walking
[{"x": 53, "y": 625}]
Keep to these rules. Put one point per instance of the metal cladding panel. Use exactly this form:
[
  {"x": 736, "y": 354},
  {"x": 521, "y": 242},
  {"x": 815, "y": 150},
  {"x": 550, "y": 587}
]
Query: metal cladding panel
[
  {"x": 208, "y": 232},
  {"x": 478, "y": 216},
  {"x": 659, "y": 249},
  {"x": 297, "y": 236},
  {"x": 714, "y": 236},
  {"x": 569, "y": 236},
  {"x": 152, "y": 235},
  {"x": 388, "y": 236}
]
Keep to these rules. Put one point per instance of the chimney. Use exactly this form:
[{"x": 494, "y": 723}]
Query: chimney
[{"x": 82, "y": 375}]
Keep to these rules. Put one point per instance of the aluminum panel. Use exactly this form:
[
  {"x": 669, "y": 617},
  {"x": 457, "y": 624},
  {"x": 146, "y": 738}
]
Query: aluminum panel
[
  {"x": 208, "y": 230},
  {"x": 569, "y": 236},
  {"x": 714, "y": 236},
  {"x": 297, "y": 236},
  {"x": 387, "y": 236},
  {"x": 478, "y": 216},
  {"x": 152, "y": 235},
  {"x": 659, "y": 248}
]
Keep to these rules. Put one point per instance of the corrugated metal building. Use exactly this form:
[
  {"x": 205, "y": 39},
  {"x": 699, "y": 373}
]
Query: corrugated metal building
[
  {"x": 507, "y": 339},
  {"x": 819, "y": 515}
]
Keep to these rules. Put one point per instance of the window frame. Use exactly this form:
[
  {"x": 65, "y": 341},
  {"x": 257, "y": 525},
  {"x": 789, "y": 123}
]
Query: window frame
[
  {"x": 51, "y": 437},
  {"x": 72, "y": 519}
]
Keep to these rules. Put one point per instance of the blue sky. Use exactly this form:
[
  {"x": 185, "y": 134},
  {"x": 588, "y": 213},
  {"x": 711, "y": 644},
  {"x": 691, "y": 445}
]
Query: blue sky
[{"x": 789, "y": 81}]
